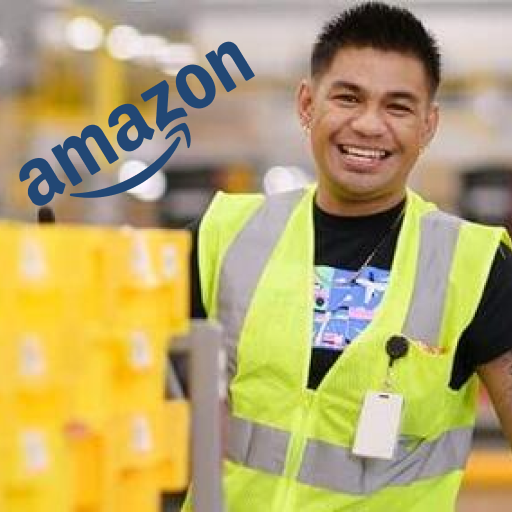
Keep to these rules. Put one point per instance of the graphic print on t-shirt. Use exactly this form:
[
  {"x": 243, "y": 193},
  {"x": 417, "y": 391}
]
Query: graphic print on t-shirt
[{"x": 343, "y": 309}]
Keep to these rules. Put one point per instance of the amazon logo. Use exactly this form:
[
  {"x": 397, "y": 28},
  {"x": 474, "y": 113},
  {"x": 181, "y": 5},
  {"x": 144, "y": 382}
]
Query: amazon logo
[{"x": 164, "y": 118}]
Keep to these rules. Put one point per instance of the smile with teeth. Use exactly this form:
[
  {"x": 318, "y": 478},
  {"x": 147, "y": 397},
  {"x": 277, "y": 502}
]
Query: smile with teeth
[{"x": 367, "y": 153}]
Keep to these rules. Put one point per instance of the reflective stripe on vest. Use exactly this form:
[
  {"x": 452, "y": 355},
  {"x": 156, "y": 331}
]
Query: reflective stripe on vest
[
  {"x": 256, "y": 445},
  {"x": 333, "y": 467},
  {"x": 438, "y": 239},
  {"x": 262, "y": 231},
  {"x": 327, "y": 465}
]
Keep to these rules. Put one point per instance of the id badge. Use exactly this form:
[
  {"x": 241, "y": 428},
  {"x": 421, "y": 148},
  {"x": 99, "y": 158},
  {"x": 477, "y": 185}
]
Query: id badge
[{"x": 378, "y": 426}]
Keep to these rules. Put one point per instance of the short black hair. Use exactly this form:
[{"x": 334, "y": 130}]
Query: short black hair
[{"x": 380, "y": 26}]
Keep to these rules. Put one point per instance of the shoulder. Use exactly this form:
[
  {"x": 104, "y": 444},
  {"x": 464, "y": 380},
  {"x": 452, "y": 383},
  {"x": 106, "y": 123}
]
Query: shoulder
[
  {"x": 429, "y": 210},
  {"x": 469, "y": 233},
  {"x": 223, "y": 206},
  {"x": 228, "y": 211},
  {"x": 229, "y": 204}
]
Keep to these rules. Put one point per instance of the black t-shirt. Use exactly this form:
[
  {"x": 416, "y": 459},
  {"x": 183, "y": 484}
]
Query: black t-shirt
[{"x": 342, "y": 245}]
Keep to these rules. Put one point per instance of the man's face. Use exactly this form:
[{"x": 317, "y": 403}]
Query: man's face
[{"x": 370, "y": 115}]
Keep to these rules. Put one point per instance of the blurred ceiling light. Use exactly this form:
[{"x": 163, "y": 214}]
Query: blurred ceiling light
[
  {"x": 124, "y": 42},
  {"x": 177, "y": 55},
  {"x": 3, "y": 52},
  {"x": 152, "y": 189},
  {"x": 283, "y": 179},
  {"x": 84, "y": 34}
]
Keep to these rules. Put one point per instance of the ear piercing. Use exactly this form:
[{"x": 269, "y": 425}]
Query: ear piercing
[{"x": 306, "y": 125}]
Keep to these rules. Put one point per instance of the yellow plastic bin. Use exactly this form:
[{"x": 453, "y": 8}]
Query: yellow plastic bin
[
  {"x": 138, "y": 444},
  {"x": 175, "y": 470},
  {"x": 148, "y": 278},
  {"x": 35, "y": 466}
]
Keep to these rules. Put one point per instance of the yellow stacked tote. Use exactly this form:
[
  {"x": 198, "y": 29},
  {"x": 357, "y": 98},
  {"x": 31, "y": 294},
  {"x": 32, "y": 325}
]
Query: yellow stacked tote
[
  {"x": 44, "y": 285},
  {"x": 86, "y": 316},
  {"x": 146, "y": 299}
]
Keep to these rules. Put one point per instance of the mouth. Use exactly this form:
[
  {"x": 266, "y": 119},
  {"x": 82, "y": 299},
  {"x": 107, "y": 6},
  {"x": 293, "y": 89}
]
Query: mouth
[{"x": 364, "y": 155}]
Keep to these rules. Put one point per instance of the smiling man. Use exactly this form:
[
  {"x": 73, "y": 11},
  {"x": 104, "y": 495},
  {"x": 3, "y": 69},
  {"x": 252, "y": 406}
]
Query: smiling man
[
  {"x": 358, "y": 317},
  {"x": 369, "y": 113}
]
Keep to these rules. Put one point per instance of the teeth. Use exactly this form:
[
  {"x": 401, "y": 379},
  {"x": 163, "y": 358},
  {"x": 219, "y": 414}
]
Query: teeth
[{"x": 366, "y": 153}]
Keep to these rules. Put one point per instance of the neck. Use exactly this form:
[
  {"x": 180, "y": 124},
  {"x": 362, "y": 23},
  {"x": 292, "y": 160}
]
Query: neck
[{"x": 359, "y": 206}]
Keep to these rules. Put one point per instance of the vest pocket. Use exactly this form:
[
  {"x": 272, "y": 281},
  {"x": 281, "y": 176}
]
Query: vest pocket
[{"x": 423, "y": 377}]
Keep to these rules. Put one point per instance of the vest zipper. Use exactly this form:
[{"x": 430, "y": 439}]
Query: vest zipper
[{"x": 284, "y": 501}]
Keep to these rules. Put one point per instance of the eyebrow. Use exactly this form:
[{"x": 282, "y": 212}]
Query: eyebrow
[{"x": 397, "y": 95}]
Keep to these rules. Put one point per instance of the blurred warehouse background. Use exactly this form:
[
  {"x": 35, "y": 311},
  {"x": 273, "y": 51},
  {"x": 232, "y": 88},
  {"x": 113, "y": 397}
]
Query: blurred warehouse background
[{"x": 67, "y": 64}]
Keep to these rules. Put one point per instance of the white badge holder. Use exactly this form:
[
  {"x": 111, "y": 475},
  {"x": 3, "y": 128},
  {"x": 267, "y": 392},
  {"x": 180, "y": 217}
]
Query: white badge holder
[{"x": 379, "y": 425}]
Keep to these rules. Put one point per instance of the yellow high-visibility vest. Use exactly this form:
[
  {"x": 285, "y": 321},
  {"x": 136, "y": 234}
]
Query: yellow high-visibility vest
[{"x": 289, "y": 447}]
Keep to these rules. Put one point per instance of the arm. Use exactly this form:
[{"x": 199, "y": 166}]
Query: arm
[{"x": 497, "y": 378}]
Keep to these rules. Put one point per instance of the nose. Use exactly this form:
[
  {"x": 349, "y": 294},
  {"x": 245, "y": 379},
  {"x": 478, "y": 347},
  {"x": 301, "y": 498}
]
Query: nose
[{"x": 368, "y": 122}]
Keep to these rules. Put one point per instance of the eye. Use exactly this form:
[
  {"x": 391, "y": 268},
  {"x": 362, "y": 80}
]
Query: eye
[
  {"x": 346, "y": 99},
  {"x": 400, "y": 108}
]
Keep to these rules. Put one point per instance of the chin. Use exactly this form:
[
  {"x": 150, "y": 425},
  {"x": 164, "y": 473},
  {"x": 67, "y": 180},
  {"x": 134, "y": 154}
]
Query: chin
[{"x": 362, "y": 186}]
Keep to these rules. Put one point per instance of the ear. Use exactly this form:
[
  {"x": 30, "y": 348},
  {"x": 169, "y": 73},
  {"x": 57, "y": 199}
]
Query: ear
[
  {"x": 431, "y": 123},
  {"x": 304, "y": 103}
]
